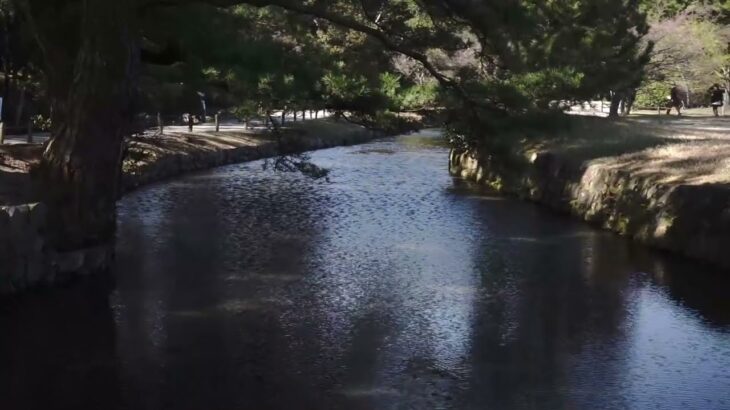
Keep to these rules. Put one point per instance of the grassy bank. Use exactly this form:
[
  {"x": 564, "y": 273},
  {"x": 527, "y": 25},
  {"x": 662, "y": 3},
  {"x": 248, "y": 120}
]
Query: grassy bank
[
  {"x": 669, "y": 150},
  {"x": 663, "y": 182}
]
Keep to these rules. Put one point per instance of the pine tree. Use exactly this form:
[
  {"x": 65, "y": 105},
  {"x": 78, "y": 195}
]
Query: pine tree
[{"x": 491, "y": 58}]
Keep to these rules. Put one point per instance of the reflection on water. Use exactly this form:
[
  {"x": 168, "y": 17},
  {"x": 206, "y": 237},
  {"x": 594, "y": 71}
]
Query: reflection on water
[{"x": 393, "y": 286}]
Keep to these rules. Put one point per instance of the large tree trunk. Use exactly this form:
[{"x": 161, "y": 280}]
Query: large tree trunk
[
  {"x": 91, "y": 106},
  {"x": 630, "y": 98},
  {"x": 79, "y": 176},
  {"x": 613, "y": 112},
  {"x": 21, "y": 107}
]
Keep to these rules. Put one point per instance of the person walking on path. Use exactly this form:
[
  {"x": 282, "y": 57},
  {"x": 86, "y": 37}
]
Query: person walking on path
[
  {"x": 677, "y": 97},
  {"x": 717, "y": 95}
]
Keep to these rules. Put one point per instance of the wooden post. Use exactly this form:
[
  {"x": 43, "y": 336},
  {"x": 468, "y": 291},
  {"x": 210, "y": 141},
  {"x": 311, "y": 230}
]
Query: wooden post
[
  {"x": 30, "y": 131},
  {"x": 160, "y": 125},
  {"x": 217, "y": 123},
  {"x": 190, "y": 122},
  {"x": 295, "y": 115},
  {"x": 2, "y": 133}
]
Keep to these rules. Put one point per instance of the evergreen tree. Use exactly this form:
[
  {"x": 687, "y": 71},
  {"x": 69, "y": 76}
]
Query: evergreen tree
[{"x": 492, "y": 59}]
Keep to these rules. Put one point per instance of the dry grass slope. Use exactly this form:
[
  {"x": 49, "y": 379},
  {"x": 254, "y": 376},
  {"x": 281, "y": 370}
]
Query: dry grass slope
[{"x": 670, "y": 151}]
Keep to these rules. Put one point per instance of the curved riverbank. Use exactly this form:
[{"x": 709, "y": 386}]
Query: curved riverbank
[
  {"x": 27, "y": 261},
  {"x": 658, "y": 203},
  {"x": 392, "y": 286},
  {"x": 155, "y": 158}
]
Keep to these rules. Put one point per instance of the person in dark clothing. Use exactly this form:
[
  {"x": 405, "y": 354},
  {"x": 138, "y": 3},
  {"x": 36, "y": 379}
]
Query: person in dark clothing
[
  {"x": 717, "y": 95},
  {"x": 677, "y": 97}
]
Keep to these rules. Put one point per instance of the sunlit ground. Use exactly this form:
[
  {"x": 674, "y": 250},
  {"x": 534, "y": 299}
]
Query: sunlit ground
[{"x": 692, "y": 149}]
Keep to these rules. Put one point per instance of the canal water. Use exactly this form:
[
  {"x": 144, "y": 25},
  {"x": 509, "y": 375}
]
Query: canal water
[{"x": 392, "y": 286}]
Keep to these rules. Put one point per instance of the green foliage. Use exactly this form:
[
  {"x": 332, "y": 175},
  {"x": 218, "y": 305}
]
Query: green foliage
[
  {"x": 543, "y": 87},
  {"x": 390, "y": 85},
  {"x": 691, "y": 49},
  {"x": 507, "y": 56},
  {"x": 245, "y": 110},
  {"x": 41, "y": 122},
  {"x": 262, "y": 57},
  {"x": 352, "y": 93},
  {"x": 345, "y": 88},
  {"x": 392, "y": 123},
  {"x": 419, "y": 96},
  {"x": 479, "y": 60},
  {"x": 229, "y": 65},
  {"x": 404, "y": 97},
  {"x": 661, "y": 9},
  {"x": 652, "y": 95}
]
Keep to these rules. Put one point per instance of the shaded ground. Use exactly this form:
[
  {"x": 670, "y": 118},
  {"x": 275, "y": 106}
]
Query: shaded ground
[{"x": 17, "y": 159}]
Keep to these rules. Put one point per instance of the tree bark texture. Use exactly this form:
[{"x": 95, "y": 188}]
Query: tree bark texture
[
  {"x": 91, "y": 84},
  {"x": 613, "y": 111}
]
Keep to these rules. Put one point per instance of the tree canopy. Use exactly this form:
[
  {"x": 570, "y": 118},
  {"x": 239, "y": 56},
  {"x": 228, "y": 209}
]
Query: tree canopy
[
  {"x": 692, "y": 48},
  {"x": 481, "y": 58},
  {"x": 482, "y": 63}
]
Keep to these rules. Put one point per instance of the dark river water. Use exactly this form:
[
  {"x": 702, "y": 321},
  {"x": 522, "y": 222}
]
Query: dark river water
[{"x": 393, "y": 286}]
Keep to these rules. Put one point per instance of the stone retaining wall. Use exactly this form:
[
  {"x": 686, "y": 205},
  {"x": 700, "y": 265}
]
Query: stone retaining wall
[
  {"x": 692, "y": 220},
  {"x": 26, "y": 261},
  {"x": 172, "y": 165},
  {"x": 23, "y": 259}
]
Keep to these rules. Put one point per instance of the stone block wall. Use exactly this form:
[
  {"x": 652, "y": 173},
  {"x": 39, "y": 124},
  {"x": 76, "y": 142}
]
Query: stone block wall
[
  {"x": 174, "y": 164},
  {"x": 691, "y": 220},
  {"x": 24, "y": 259}
]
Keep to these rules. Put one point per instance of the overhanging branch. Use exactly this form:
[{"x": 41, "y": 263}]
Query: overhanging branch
[{"x": 299, "y": 7}]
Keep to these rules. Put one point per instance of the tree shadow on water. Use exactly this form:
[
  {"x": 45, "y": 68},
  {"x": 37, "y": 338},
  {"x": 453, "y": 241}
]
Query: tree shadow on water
[{"x": 58, "y": 348}]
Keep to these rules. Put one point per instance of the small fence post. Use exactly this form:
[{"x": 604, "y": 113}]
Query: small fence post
[
  {"x": 160, "y": 125},
  {"x": 217, "y": 124},
  {"x": 30, "y": 131},
  {"x": 2, "y": 133},
  {"x": 190, "y": 122}
]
